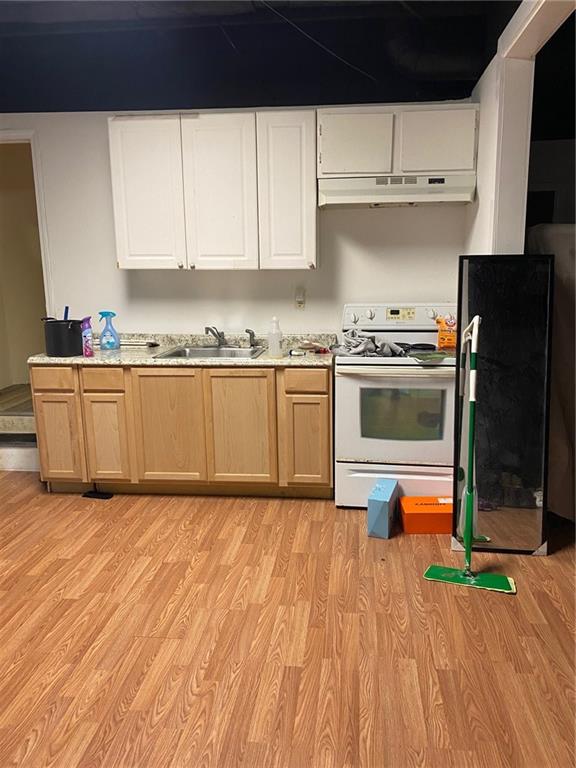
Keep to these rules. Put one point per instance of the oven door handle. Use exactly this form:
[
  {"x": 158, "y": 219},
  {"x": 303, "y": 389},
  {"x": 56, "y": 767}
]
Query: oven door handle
[{"x": 385, "y": 372}]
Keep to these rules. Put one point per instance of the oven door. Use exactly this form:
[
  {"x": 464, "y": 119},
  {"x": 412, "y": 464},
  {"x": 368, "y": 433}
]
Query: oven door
[{"x": 394, "y": 415}]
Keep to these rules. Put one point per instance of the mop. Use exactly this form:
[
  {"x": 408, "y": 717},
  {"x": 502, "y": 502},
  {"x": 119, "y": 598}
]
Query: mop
[
  {"x": 477, "y": 538},
  {"x": 495, "y": 582}
]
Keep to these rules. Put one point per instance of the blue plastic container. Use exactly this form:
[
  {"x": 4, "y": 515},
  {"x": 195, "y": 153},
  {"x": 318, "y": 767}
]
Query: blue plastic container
[{"x": 382, "y": 508}]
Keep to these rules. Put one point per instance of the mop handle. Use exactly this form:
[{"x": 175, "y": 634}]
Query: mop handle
[
  {"x": 470, "y": 336},
  {"x": 467, "y": 334},
  {"x": 470, "y": 333}
]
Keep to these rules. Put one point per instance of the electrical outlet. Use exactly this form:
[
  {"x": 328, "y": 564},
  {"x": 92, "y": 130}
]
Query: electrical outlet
[{"x": 300, "y": 298}]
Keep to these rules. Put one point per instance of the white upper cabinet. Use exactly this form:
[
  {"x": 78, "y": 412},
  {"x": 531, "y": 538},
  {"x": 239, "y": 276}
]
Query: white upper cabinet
[
  {"x": 237, "y": 190},
  {"x": 146, "y": 166},
  {"x": 219, "y": 165},
  {"x": 438, "y": 140},
  {"x": 287, "y": 189},
  {"x": 396, "y": 139},
  {"x": 354, "y": 142}
]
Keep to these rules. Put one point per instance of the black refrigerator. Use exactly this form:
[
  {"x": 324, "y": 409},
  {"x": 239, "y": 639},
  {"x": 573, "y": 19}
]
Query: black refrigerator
[{"x": 513, "y": 297}]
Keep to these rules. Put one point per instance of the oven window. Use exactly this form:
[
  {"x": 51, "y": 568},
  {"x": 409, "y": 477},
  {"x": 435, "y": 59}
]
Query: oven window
[{"x": 402, "y": 414}]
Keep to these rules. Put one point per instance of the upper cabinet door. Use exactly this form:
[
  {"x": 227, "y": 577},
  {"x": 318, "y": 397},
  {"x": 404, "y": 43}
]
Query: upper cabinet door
[
  {"x": 438, "y": 140},
  {"x": 219, "y": 162},
  {"x": 354, "y": 143},
  {"x": 287, "y": 189},
  {"x": 146, "y": 165}
]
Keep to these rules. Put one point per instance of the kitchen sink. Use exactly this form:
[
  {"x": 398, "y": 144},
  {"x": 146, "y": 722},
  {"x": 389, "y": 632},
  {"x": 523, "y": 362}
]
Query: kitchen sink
[{"x": 212, "y": 352}]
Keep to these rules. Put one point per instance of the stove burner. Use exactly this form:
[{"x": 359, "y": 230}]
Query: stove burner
[{"x": 420, "y": 347}]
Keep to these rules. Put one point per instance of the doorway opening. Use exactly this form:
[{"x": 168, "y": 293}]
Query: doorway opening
[
  {"x": 551, "y": 228},
  {"x": 22, "y": 297}
]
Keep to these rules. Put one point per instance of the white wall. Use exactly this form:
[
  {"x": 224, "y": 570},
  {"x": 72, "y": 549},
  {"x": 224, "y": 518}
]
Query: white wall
[
  {"x": 403, "y": 254},
  {"x": 515, "y": 120},
  {"x": 496, "y": 220},
  {"x": 480, "y": 215}
]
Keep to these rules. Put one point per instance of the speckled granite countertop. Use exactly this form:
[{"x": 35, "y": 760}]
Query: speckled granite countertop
[{"x": 134, "y": 356}]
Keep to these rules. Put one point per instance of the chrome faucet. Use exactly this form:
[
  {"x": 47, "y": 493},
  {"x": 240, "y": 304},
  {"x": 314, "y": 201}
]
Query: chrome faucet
[
  {"x": 218, "y": 335},
  {"x": 251, "y": 336}
]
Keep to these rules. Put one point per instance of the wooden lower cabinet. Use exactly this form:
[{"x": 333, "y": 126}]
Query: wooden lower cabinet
[
  {"x": 59, "y": 434},
  {"x": 106, "y": 434},
  {"x": 241, "y": 425},
  {"x": 304, "y": 428},
  {"x": 169, "y": 423},
  {"x": 306, "y": 436}
]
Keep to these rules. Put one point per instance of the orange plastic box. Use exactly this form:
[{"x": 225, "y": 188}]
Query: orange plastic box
[{"x": 426, "y": 514}]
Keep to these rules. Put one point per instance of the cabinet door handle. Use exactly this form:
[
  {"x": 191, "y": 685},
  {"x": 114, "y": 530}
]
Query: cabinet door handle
[
  {"x": 180, "y": 265},
  {"x": 191, "y": 266},
  {"x": 311, "y": 265}
]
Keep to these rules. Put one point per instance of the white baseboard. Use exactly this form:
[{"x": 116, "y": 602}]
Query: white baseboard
[{"x": 19, "y": 459}]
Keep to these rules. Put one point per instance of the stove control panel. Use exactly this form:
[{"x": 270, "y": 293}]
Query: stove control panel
[
  {"x": 400, "y": 313},
  {"x": 388, "y": 316}
]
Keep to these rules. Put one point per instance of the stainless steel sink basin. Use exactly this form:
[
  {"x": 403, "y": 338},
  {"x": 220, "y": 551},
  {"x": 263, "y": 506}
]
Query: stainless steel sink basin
[{"x": 209, "y": 352}]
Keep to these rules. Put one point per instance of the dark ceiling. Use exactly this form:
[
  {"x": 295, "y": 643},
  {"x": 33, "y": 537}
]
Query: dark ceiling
[{"x": 61, "y": 56}]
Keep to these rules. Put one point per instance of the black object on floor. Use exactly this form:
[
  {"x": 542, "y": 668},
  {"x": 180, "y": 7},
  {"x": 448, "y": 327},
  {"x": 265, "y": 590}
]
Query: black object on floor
[{"x": 97, "y": 495}]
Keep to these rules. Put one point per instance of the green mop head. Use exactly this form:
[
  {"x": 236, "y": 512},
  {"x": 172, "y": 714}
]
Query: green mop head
[{"x": 495, "y": 582}]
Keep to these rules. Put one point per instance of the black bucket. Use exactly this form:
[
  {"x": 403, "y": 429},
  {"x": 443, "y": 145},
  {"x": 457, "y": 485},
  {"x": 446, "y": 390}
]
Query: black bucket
[{"x": 63, "y": 337}]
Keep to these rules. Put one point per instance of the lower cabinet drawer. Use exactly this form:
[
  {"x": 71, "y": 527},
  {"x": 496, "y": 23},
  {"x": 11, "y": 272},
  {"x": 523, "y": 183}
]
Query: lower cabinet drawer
[
  {"x": 304, "y": 380},
  {"x": 53, "y": 378},
  {"x": 102, "y": 379}
]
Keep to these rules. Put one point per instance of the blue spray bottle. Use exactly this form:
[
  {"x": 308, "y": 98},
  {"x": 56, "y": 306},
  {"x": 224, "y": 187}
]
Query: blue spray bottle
[{"x": 109, "y": 338}]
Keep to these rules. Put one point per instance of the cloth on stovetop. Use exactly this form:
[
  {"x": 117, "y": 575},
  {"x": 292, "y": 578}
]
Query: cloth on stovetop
[{"x": 358, "y": 344}]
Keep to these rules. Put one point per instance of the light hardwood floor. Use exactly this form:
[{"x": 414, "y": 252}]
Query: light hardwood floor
[{"x": 163, "y": 632}]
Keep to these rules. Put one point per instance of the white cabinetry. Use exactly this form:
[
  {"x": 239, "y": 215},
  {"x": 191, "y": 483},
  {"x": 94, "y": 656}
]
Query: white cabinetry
[
  {"x": 146, "y": 166},
  {"x": 396, "y": 139},
  {"x": 354, "y": 142},
  {"x": 287, "y": 189},
  {"x": 219, "y": 163},
  {"x": 437, "y": 140},
  {"x": 186, "y": 190}
]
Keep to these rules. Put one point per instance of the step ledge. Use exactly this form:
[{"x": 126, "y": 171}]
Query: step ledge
[{"x": 19, "y": 459}]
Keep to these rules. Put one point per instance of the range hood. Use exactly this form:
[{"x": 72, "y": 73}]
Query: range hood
[{"x": 377, "y": 191}]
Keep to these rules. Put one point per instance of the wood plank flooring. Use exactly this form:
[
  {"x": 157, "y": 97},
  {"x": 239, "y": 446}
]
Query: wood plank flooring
[{"x": 164, "y": 632}]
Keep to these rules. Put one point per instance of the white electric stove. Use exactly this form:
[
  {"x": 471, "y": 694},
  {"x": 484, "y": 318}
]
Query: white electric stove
[{"x": 394, "y": 396}]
